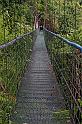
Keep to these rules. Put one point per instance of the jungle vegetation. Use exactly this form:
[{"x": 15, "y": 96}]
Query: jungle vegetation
[{"x": 17, "y": 17}]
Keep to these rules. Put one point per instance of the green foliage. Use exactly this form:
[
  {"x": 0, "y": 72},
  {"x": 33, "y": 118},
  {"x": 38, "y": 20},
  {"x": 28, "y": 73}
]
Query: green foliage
[
  {"x": 61, "y": 115},
  {"x": 66, "y": 18},
  {"x": 40, "y": 8},
  {"x": 7, "y": 102},
  {"x": 13, "y": 61},
  {"x": 16, "y": 19}
]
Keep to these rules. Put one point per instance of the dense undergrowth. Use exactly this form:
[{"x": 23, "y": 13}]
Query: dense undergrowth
[
  {"x": 63, "y": 116},
  {"x": 13, "y": 61},
  {"x": 65, "y": 61}
]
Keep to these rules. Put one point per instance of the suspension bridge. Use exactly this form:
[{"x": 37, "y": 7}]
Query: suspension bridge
[
  {"x": 39, "y": 95},
  {"x": 40, "y": 71}
]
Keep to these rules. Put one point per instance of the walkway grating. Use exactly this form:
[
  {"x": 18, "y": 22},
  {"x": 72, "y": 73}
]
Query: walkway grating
[{"x": 38, "y": 94}]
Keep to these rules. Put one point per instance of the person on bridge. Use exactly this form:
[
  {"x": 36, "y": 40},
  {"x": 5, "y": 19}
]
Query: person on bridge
[
  {"x": 41, "y": 23},
  {"x": 41, "y": 27}
]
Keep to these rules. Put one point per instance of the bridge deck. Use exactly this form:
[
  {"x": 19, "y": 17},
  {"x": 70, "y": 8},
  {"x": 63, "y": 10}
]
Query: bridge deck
[{"x": 38, "y": 94}]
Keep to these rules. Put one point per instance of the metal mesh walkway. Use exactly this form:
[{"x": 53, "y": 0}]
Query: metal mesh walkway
[{"x": 38, "y": 95}]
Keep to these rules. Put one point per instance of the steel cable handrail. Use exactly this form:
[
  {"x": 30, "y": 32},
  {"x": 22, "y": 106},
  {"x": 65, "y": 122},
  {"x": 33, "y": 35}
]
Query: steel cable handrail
[
  {"x": 66, "y": 40},
  {"x": 66, "y": 59},
  {"x": 14, "y": 58},
  {"x": 15, "y": 40}
]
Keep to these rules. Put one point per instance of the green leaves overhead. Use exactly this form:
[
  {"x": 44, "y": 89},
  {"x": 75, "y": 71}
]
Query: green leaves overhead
[
  {"x": 65, "y": 16},
  {"x": 17, "y": 18}
]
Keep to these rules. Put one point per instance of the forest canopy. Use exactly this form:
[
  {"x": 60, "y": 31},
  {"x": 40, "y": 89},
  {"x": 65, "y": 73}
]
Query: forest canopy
[{"x": 65, "y": 17}]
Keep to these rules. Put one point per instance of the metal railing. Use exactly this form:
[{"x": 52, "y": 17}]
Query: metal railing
[
  {"x": 14, "y": 57},
  {"x": 66, "y": 59}
]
